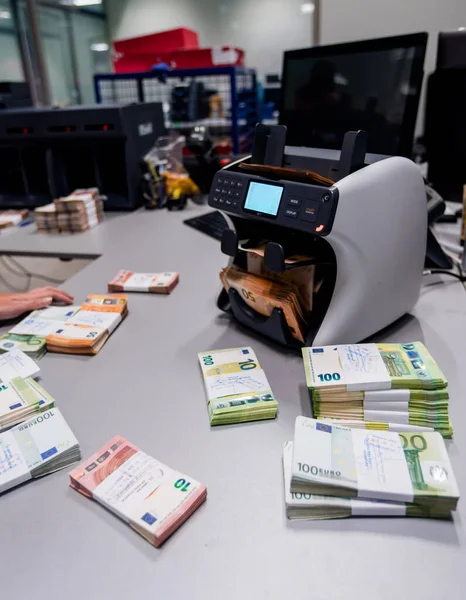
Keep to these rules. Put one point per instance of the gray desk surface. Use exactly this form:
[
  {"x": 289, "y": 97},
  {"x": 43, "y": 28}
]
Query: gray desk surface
[
  {"x": 146, "y": 385},
  {"x": 27, "y": 241}
]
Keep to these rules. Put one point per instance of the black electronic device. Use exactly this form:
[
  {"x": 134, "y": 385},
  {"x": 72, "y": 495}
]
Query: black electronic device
[
  {"x": 46, "y": 153},
  {"x": 189, "y": 102},
  {"x": 445, "y": 131},
  {"x": 204, "y": 161},
  {"x": 15, "y": 94},
  {"x": 373, "y": 85},
  {"x": 451, "y": 49},
  {"x": 213, "y": 224}
]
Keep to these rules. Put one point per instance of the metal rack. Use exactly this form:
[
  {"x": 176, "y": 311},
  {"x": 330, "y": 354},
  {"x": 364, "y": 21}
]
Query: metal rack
[{"x": 236, "y": 86}]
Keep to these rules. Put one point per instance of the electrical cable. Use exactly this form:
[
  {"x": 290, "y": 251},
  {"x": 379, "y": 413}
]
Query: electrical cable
[
  {"x": 13, "y": 288},
  {"x": 24, "y": 272},
  {"x": 461, "y": 277},
  {"x": 31, "y": 274}
]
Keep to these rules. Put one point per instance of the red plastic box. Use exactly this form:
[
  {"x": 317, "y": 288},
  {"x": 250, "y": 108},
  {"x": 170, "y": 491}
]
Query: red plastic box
[
  {"x": 207, "y": 57},
  {"x": 132, "y": 63},
  {"x": 180, "y": 59},
  {"x": 162, "y": 42}
]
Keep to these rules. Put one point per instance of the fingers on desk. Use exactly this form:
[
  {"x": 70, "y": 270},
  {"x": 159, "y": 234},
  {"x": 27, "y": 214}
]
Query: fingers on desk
[{"x": 51, "y": 292}]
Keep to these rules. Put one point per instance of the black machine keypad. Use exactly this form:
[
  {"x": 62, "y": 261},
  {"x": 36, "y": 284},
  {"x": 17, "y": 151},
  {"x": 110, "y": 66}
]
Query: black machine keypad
[{"x": 228, "y": 191}]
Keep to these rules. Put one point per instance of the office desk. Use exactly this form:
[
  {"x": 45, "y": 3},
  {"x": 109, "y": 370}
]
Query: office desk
[
  {"x": 27, "y": 241},
  {"x": 146, "y": 385}
]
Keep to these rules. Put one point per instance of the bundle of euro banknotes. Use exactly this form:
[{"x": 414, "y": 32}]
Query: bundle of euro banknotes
[
  {"x": 152, "y": 498},
  {"x": 331, "y": 471},
  {"x": 32, "y": 345},
  {"x": 397, "y": 387},
  {"x": 79, "y": 211},
  {"x": 21, "y": 399},
  {"x": 20, "y": 396},
  {"x": 292, "y": 291},
  {"x": 236, "y": 386},
  {"x": 16, "y": 363},
  {"x": 76, "y": 329},
  {"x": 12, "y": 218},
  {"x": 154, "y": 283},
  {"x": 36, "y": 447}
]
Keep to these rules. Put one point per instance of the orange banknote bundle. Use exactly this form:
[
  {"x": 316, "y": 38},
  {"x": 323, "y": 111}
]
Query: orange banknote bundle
[
  {"x": 263, "y": 295},
  {"x": 91, "y": 326}
]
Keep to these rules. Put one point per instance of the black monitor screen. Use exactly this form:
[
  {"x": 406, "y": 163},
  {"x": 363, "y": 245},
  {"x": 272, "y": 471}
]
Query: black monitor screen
[{"x": 372, "y": 85}]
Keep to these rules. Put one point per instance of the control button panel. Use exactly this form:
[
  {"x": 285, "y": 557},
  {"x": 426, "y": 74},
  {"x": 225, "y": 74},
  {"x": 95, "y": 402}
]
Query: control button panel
[
  {"x": 228, "y": 191},
  {"x": 302, "y": 206}
]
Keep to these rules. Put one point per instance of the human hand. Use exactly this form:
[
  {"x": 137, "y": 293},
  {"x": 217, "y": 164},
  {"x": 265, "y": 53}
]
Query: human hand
[{"x": 13, "y": 305}]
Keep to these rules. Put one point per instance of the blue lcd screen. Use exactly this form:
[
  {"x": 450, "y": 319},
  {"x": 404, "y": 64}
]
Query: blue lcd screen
[{"x": 263, "y": 198}]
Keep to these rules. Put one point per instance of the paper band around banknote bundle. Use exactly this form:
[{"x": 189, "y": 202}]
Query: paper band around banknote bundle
[
  {"x": 151, "y": 497},
  {"x": 365, "y": 367},
  {"x": 411, "y": 467},
  {"x": 236, "y": 386}
]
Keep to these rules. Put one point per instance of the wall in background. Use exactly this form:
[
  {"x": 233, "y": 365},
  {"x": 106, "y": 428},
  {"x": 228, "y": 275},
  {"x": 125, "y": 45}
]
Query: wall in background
[
  {"x": 364, "y": 19},
  {"x": 263, "y": 28}
]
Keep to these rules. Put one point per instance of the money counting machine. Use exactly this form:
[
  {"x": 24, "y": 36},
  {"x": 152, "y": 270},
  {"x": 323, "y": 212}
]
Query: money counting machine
[{"x": 365, "y": 231}]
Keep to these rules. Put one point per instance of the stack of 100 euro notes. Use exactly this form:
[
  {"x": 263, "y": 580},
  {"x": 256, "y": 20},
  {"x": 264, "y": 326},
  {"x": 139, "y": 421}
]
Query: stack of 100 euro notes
[
  {"x": 236, "y": 386},
  {"x": 397, "y": 387},
  {"x": 37, "y": 447},
  {"x": 20, "y": 399},
  {"x": 332, "y": 471}
]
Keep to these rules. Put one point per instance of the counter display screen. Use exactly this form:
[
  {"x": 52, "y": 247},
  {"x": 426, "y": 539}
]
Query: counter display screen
[{"x": 263, "y": 198}]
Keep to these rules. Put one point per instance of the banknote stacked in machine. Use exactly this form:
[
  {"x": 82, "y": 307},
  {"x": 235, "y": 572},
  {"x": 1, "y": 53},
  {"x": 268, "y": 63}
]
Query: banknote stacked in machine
[
  {"x": 398, "y": 387},
  {"x": 154, "y": 283},
  {"x": 236, "y": 386},
  {"x": 291, "y": 291},
  {"x": 152, "y": 498},
  {"x": 76, "y": 329},
  {"x": 36, "y": 447},
  {"x": 331, "y": 471},
  {"x": 79, "y": 211}
]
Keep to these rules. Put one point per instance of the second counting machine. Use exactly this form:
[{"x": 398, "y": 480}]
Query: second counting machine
[{"x": 365, "y": 231}]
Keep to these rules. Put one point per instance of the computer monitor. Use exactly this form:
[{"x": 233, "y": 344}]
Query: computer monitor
[{"x": 372, "y": 85}]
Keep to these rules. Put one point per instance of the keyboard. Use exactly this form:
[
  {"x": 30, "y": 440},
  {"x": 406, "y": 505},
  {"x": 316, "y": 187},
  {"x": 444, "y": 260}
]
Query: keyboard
[{"x": 213, "y": 224}]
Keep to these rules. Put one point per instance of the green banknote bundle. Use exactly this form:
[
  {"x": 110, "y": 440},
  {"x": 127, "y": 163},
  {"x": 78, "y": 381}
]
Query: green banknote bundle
[
  {"x": 32, "y": 345},
  {"x": 385, "y": 385},
  {"x": 303, "y": 505},
  {"x": 405, "y": 467},
  {"x": 236, "y": 386},
  {"x": 20, "y": 399}
]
